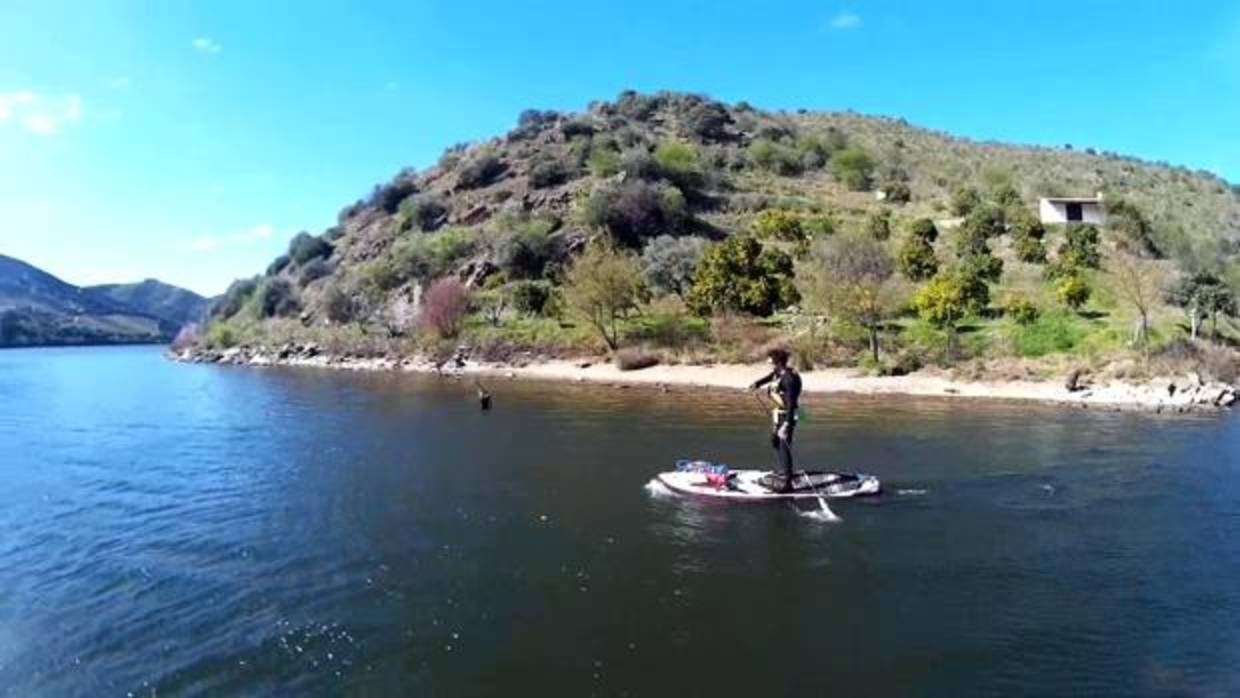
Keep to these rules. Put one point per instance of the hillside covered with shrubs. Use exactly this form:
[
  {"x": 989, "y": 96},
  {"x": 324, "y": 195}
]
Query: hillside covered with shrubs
[{"x": 679, "y": 228}]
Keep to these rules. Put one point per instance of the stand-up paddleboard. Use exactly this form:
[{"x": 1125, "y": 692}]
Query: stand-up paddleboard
[{"x": 704, "y": 479}]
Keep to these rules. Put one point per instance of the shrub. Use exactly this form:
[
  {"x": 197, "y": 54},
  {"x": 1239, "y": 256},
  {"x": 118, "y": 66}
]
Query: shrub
[
  {"x": 575, "y": 127},
  {"x": 426, "y": 257},
  {"x": 924, "y": 229},
  {"x": 943, "y": 302},
  {"x": 189, "y": 335},
  {"x": 984, "y": 222},
  {"x": 1021, "y": 310},
  {"x": 603, "y": 161},
  {"x": 277, "y": 298},
  {"x": 1027, "y": 234},
  {"x": 1073, "y": 291},
  {"x": 964, "y": 199},
  {"x": 818, "y": 226},
  {"x": 739, "y": 275},
  {"x": 389, "y": 198},
  {"x": 769, "y": 155},
  {"x": 708, "y": 121},
  {"x": 814, "y": 152},
  {"x": 916, "y": 259},
  {"x": 680, "y": 163},
  {"x": 853, "y": 168},
  {"x": 635, "y": 359},
  {"x": 637, "y": 107},
  {"x": 639, "y": 164},
  {"x": 1005, "y": 195},
  {"x": 974, "y": 253},
  {"x": 305, "y": 247},
  {"x": 603, "y": 285},
  {"x": 1080, "y": 247},
  {"x": 1134, "y": 232},
  {"x": 1203, "y": 295},
  {"x": 525, "y": 248},
  {"x": 779, "y": 224},
  {"x": 337, "y": 304},
  {"x": 878, "y": 225},
  {"x": 666, "y": 324},
  {"x": 668, "y": 263},
  {"x": 277, "y": 265},
  {"x": 548, "y": 173},
  {"x": 424, "y": 211},
  {"x": 530, "y": 297},
  {"x": 314, "y": 270},
  {"x": 633, "y": 211},
  {"x": 234, "y": 298},
  {"x": 381, "y": 274},
  {"x": 1030, "y": 250},
  {"x": 444, "y": 306},
  {"x": 482, "y": 169},
  {"x": 898, "y": 192}
]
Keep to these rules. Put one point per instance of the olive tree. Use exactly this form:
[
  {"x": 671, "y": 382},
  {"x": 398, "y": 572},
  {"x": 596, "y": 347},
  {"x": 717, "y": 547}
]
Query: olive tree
[
  {"x": 601, "y": 286},
  {"x": 668, "y": 263}
]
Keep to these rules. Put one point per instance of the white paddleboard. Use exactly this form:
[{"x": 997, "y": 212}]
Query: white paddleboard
[{"x": 745, "y": 485}]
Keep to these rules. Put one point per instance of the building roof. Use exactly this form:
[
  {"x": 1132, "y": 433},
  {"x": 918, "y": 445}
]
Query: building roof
[{"x": 1073, "y": 199}]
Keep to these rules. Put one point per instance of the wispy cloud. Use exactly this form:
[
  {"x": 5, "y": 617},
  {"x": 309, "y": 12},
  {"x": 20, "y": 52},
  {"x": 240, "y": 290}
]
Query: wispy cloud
[
  {"x": 120, "y": 82},
  {"x": 249, "y": 236},
  {"x": 44, "y": 115},
  {"x": 206, "y": 44},
  {"x": 845, "y": 20}
]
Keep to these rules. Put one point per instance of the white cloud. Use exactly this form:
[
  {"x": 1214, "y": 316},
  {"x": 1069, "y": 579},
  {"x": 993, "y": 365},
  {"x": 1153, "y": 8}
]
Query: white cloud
[
  {"x": 207, "y": 45},
  {"x": 40, "y": 114},
  {"x": 120, "y": 82},
  {"x": 845, "y": 20},
  {"x": 258, "y": 233}
]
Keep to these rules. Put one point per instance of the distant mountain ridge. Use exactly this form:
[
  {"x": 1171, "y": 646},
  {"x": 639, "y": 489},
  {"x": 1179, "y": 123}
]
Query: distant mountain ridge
[
  {"x": 169, "y": 303},
  {"x": 38, "y": 309}
]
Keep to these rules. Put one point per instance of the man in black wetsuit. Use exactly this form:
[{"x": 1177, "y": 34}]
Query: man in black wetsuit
[{"x": 786, "y": 392}]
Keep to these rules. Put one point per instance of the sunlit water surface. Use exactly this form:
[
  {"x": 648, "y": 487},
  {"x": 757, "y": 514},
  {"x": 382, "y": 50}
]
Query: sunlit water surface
[{"x": 191, "y": 530}]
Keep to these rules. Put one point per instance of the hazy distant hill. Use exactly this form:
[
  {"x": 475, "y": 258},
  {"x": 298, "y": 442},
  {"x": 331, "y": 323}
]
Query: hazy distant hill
[
  {"x": 171, "y": 304},
  {"x": 38, "y": 309}
]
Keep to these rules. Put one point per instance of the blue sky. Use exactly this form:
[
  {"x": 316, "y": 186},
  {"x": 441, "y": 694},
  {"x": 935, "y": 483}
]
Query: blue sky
[{"x": 189, "y": 141}]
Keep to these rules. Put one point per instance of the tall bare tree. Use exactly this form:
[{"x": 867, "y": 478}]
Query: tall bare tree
[
  {"x": 1141, "y": 283},
  {"x": 849, "y": 276}
]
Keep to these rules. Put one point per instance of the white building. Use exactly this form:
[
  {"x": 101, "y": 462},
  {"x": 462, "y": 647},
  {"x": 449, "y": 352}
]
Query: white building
[{"x": 1066, "y": 209}]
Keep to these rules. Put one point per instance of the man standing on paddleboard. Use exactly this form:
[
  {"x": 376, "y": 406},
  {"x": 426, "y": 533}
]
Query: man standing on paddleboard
[{"x": 786, "y": 392}]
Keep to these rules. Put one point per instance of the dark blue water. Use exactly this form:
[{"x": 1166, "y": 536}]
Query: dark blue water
[{"x": 171, "y": 529}]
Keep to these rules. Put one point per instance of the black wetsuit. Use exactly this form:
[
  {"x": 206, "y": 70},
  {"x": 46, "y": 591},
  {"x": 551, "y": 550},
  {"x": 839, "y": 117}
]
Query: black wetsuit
[{"x": 788, "y": 384}]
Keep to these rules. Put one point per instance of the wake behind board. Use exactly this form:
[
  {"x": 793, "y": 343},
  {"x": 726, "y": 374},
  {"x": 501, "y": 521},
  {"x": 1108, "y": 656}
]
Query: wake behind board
[{"x": 707, "y": 480}]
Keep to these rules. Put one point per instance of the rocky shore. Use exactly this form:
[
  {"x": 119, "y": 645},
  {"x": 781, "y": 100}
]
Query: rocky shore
[{"x": 1173, "y": 394}]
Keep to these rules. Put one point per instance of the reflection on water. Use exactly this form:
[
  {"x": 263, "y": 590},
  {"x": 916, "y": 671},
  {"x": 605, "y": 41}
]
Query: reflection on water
[{"x": 202, "y": 530}]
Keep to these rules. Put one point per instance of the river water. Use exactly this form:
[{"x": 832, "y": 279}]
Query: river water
[{"x": 178, "y": 529}]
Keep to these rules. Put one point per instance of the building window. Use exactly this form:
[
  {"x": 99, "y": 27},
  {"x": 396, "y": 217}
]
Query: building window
[{"x": 1074, "y": 213}]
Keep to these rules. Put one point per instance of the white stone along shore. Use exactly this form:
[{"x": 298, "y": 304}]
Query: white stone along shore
[{"x": 1170, "y": 393}]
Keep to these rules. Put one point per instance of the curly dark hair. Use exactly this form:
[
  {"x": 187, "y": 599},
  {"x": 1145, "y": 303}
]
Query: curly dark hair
[{"x": 779, "y": 356}]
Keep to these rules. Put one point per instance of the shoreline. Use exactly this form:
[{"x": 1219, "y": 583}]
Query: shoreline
[{"x": 1173, "y": 394}]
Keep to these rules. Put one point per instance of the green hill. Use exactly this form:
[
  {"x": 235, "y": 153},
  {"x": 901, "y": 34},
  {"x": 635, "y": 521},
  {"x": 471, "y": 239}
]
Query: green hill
[
  {"x": 172, "y": 305},
  {"x": 38, "y": 309},
  {"x": 508, "y": 217}
]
